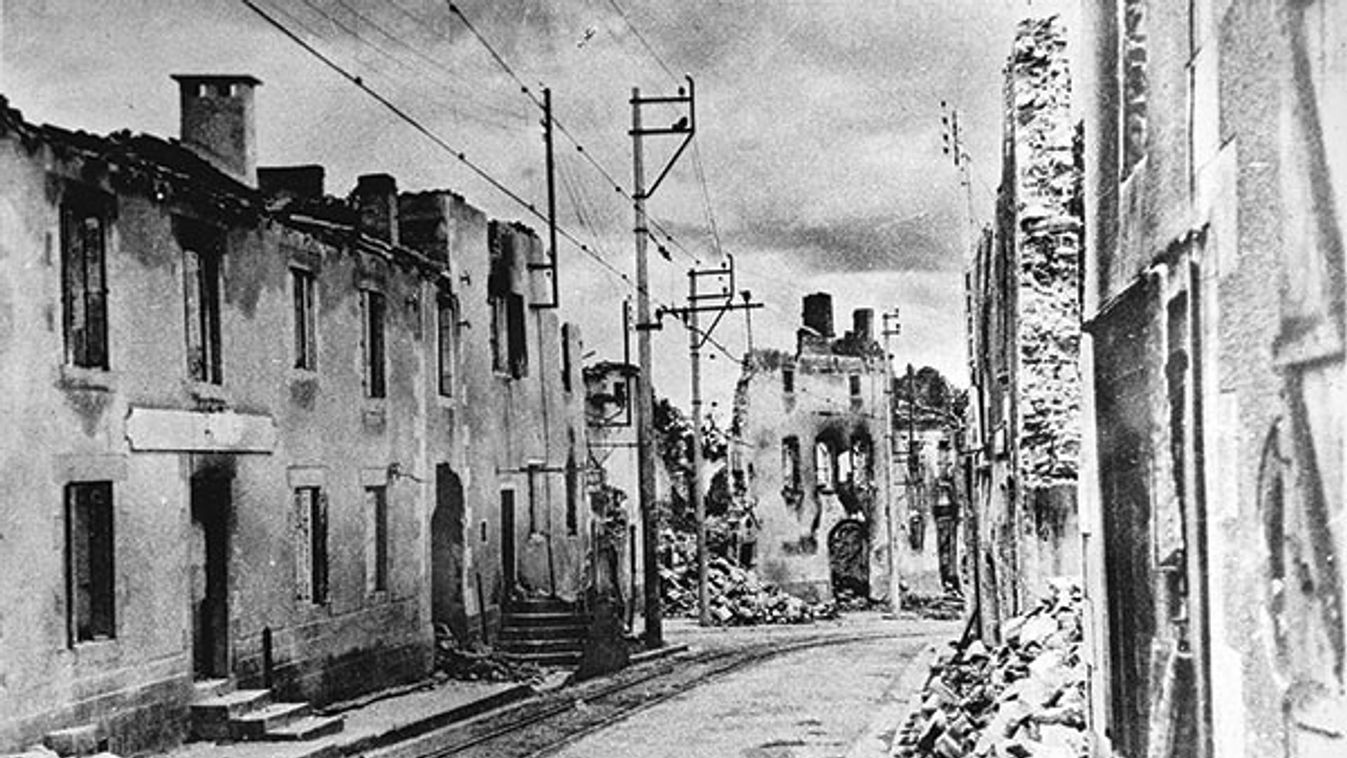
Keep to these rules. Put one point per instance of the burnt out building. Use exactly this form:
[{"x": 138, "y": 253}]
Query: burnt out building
[
  {"x": 1216, "y": 187},
  {"x": 1024, "y": 333},
  {"x": 812, "y": 448},
  {"x": 258, "y": 437}
]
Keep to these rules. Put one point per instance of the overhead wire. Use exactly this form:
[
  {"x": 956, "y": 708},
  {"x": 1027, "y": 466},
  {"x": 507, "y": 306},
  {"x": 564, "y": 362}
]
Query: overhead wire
[
  {"x": 455, "y": 108},
  {"x": 566, "y": 132},
  {"x": 439, "y": 141}
]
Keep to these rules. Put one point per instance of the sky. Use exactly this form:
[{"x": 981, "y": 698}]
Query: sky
[{"x": 817, "y": 162}]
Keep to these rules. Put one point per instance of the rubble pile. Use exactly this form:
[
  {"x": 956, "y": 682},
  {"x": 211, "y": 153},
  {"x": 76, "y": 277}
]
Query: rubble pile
[
  {"x": 737, "y": 597},
  {"x": 946, "y": 607},
  {"x": 1024, "y": 699},
  {"x": 478, "y": 663}
]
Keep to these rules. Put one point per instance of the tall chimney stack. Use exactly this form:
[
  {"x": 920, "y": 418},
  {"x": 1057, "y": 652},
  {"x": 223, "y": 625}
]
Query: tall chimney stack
[
  {"x": 863, "y": 325},
  {"x": 376, "y": 199},
  {"x": 818, "y": 313},
  {"x": 218, "y": 122}
]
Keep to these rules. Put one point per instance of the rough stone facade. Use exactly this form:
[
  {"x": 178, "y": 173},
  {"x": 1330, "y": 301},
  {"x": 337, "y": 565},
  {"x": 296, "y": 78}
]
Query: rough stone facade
[
  {"x": 1025, "y": 339},
  {"x": 811, "y": 445},
  {"x": 255, "y": 434},
  {"x": 1212, "y": 490}
]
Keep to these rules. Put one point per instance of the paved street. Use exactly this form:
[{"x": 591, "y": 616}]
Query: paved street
[{"x": 817, "y": 702}]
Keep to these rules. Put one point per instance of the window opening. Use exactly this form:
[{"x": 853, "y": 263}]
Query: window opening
[
  {"x": 84, "y": 284},
  {"x": 91, "y": 598},
  {"x": 306, "y": 320},
  {"x": 374, "y": 348}
]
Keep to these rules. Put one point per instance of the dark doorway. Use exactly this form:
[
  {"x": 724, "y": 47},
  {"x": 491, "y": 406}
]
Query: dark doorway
[
  {"x": 507, "y": 544},
  {"x": 848, "y": 546},
  {"x": 1122, "y": 408},
  {"x": 446, "y": 553},
  {"x": 210, "y": 574}
]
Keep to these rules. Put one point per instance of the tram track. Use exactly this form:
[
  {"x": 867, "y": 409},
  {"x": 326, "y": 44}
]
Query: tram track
[{"x": 544, "y": 724}]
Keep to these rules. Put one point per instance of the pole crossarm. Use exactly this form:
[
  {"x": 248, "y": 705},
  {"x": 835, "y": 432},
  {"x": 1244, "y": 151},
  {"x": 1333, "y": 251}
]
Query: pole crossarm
[{"x": 686, "y": 126}]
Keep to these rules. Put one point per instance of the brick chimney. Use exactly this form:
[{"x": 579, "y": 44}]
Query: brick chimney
[
  {"x": 863, "y": 325},
  {"x": 818, "y": 313},
  {"x": 376, "y": 199},
  {"x": 218, "y": 122}
]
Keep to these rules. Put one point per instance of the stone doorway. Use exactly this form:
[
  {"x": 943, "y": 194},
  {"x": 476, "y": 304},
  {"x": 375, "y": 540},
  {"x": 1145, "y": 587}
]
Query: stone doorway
[
  {"x": 848, "y": 548},
  {"x": 446, "y": 553},
  {"x": 211, "y": 496}
]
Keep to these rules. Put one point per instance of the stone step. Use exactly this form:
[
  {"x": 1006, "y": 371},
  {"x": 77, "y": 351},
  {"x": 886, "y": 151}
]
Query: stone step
[
  {"x": 206, "y": 689},
  {"x": 211, "y": 718},
  {"x": 569, "y": 658},
  {"x": 542, "y": 605},
  {"x": 256, "y": 724},
  {"x": 549, "y": 632},
  {"x": 542, "y": 646},
  {"x": 543, "y": 618},
  {"x": 306, "y": 728}
]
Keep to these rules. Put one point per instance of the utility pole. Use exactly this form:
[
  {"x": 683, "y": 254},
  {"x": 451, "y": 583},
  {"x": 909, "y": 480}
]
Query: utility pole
[
  {"x": 551, "y": 199},
  {"x": 891, "y": 328},
  {"x": 645, "y": 397},
  {"x": 720, "y": 303},
  {"x": 954, "y": 148}
]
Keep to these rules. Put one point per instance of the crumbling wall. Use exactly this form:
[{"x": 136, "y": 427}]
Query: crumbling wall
[{"x": 1048, "y": 241}]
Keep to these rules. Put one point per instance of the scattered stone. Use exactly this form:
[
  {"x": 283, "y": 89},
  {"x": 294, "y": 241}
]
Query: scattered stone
[
  {"x": 736, "y": 596},
  {"x": 1023, "y": 699}
]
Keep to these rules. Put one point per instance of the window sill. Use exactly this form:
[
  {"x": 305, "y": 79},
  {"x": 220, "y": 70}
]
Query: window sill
[
  {"x": 98, "y": 652},
  {"x": 82, "y": 378}
]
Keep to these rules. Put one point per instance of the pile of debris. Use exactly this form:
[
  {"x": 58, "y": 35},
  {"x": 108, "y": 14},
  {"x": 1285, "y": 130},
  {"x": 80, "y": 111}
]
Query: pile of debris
[
  {"x": 737, "y": 597},
  {"x": 1025, "y": 699},
  {"x": 946, "y": 607},
  {"x": 477, "y": 662}
]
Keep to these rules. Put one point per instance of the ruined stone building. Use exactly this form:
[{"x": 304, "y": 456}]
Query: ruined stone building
[
  {"x": 1024, "y": 336},
  {"x": 812, "y": 448},
  {"x": 929, "y": 487},
  {"x": 610, "y": 392},
  {"x": 258, "y": 436},
  {"x": 1212, "y": 490}
]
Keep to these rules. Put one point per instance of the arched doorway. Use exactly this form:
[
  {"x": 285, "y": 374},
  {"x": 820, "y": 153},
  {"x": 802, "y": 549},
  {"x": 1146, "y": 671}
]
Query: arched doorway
[
  {"x": 848, "y": 548},
  {"x": 446, "y": 553}
]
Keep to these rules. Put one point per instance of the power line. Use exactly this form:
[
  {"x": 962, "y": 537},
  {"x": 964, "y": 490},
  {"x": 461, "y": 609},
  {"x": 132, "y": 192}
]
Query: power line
[
  {"x": 428, "y": 134},
  {"x": 570, "y": 136},
  {"x": 451, "y": 107},
  {"x": 644, "y": 42}
]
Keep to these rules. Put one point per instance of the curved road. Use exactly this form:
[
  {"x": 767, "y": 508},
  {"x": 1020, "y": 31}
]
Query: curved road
[{"x": 810, "y": 703}]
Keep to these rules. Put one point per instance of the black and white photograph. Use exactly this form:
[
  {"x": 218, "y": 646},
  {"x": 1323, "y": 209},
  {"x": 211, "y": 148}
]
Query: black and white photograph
[{"x": 673, "y": 378}]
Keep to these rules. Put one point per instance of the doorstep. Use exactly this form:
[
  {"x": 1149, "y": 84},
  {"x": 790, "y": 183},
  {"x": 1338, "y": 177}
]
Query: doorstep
[{"x": 378, "y": 722}]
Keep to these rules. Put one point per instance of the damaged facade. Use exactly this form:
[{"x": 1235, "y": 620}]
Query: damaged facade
[
  {"x": 812, "y": 448},
  {"x": 1023, "y": 310},
  {"x": 260, "y": 434},
  {"x": 610, "y": 392},
  {"x": 1216, "y": 185}
]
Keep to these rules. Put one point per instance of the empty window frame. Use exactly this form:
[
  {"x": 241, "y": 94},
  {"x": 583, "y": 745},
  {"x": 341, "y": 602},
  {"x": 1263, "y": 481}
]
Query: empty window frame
[
  {"x": 373, "y": 309},
  {"x": 305, "y": 319},
  {"x": 84, "y": 282},
  {"x": 90, "y": 595},
  {"x": 310, "y": 542},
  {"x": 376, "y": 539},
  {"x": 854, "y": 383},
  {"x": 202, "y": 248},
  {"x": 790, "y": 462},
  {"x": 788, "y": 380},
  {"x": 825, "y": 466},
  {"x": 447, "y": 345}
]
